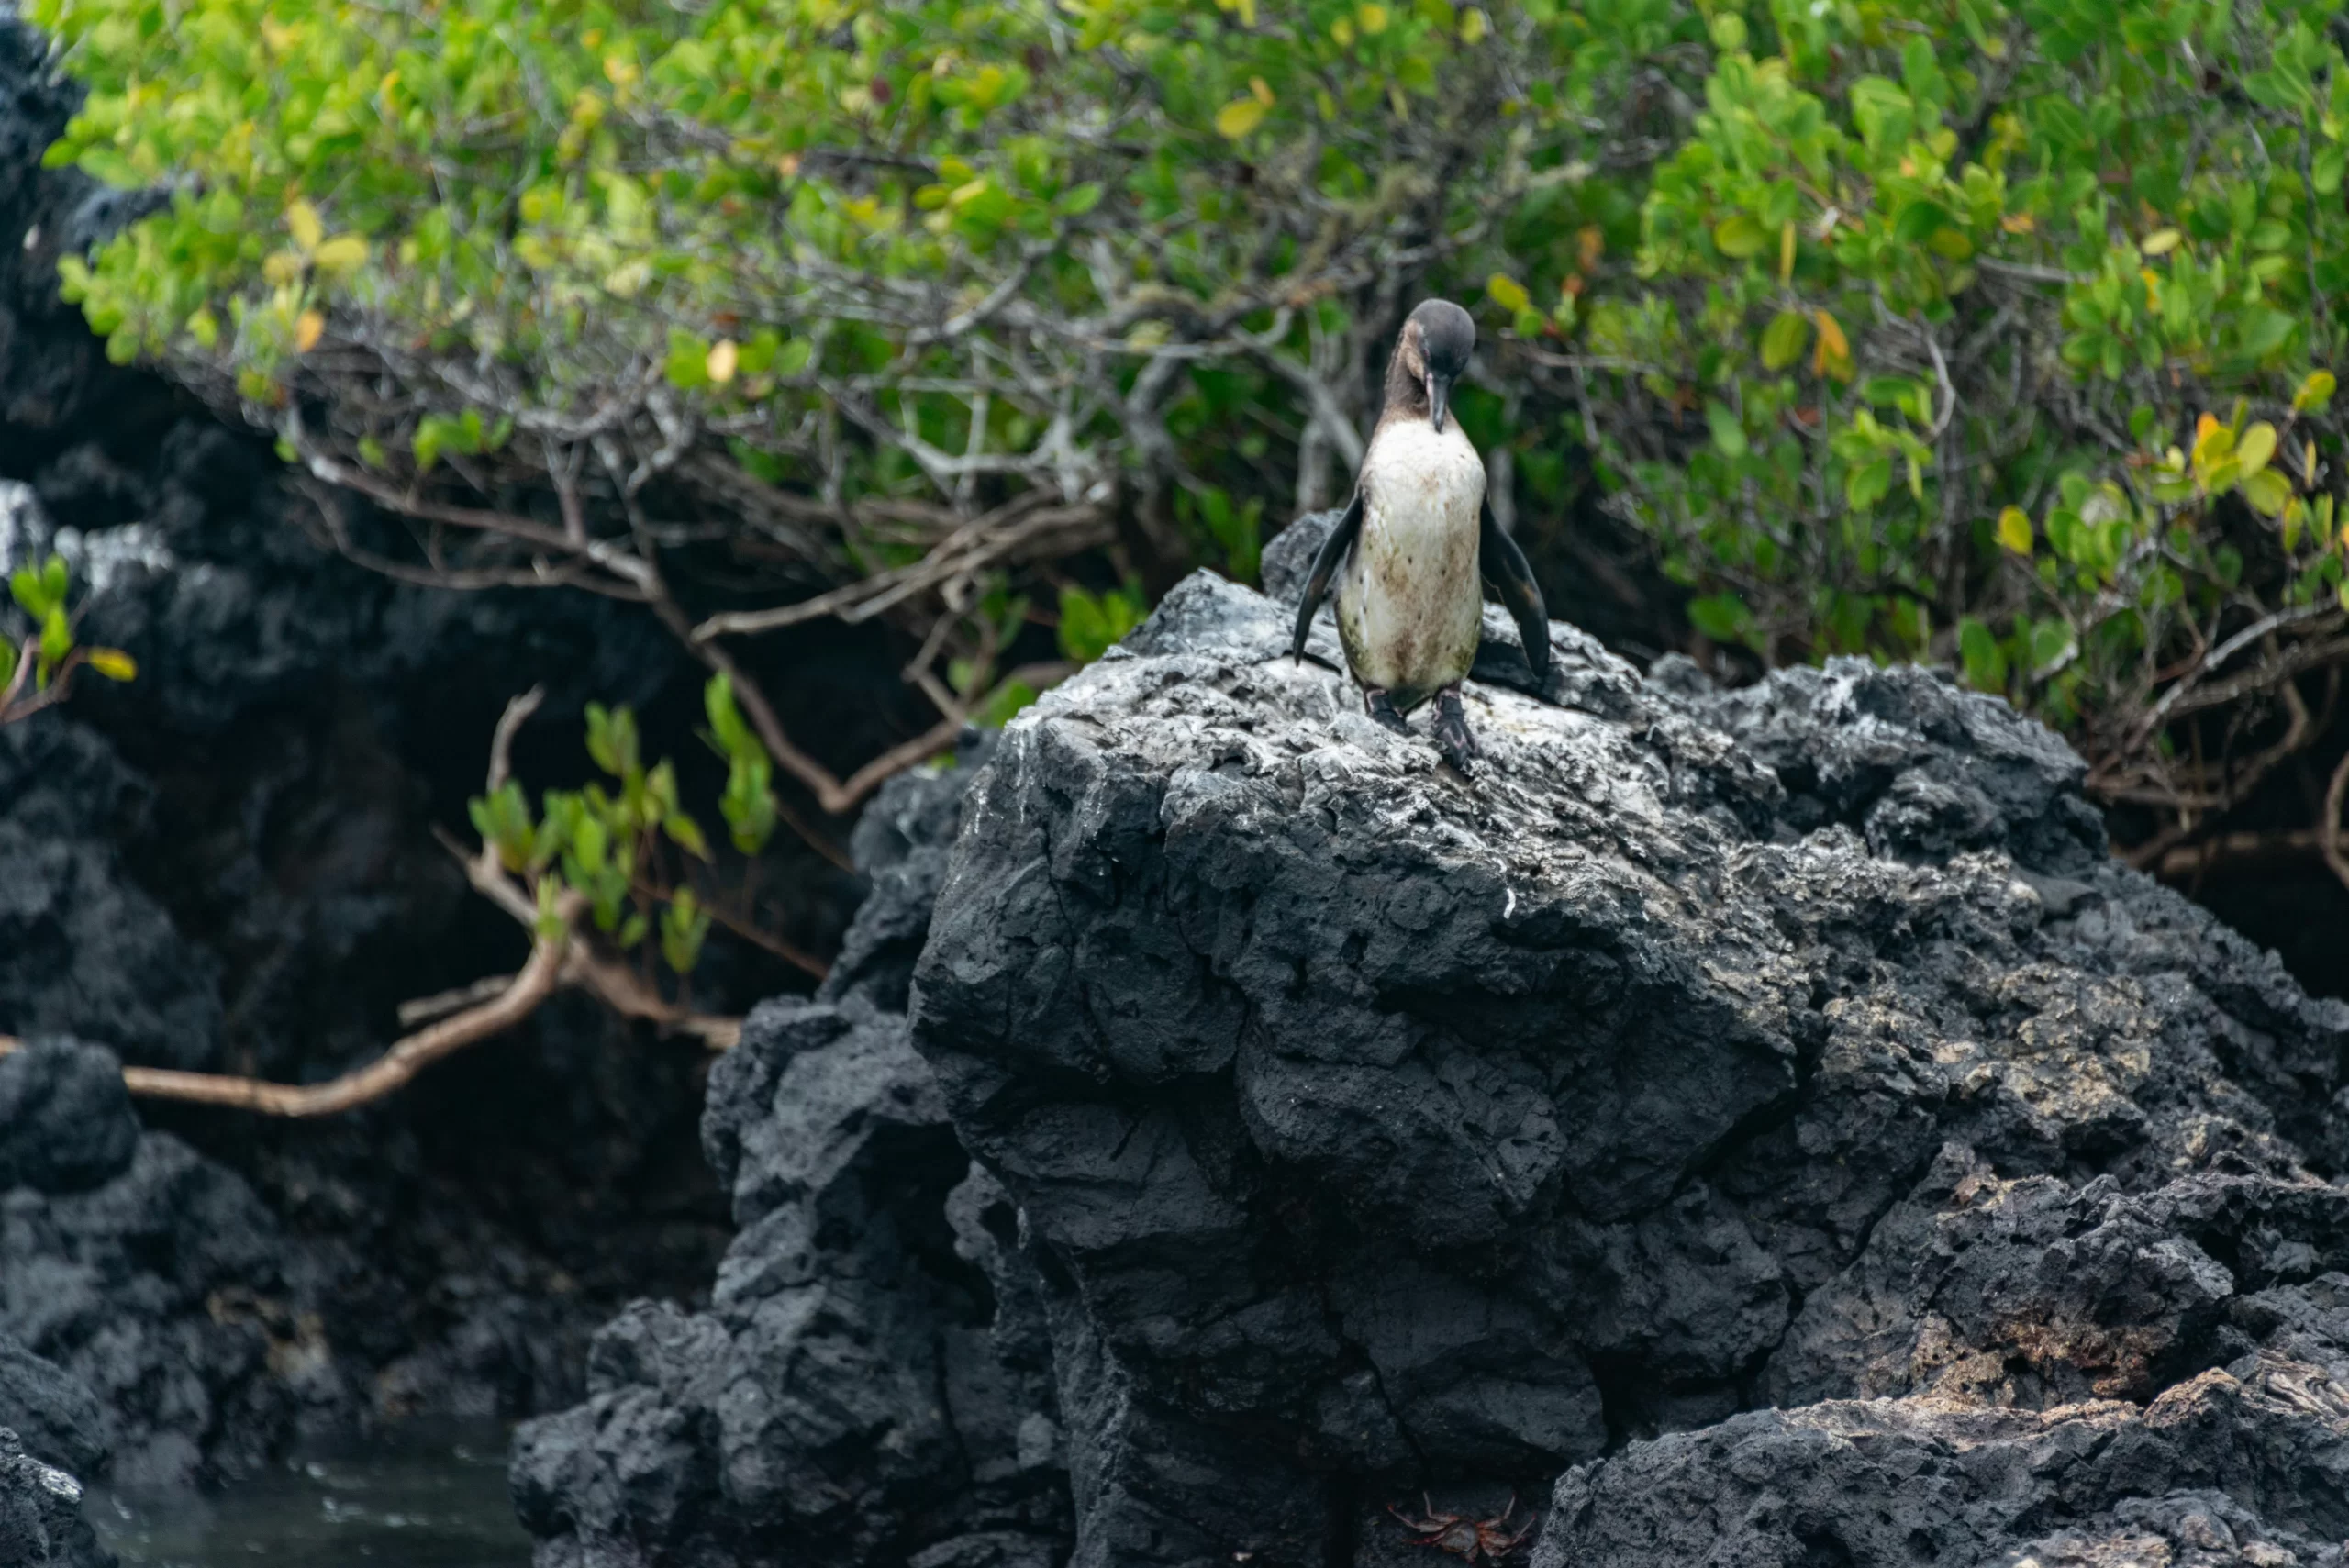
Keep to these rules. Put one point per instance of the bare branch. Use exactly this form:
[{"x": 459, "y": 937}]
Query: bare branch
[
  {"x": 407, "y": 1058},
  {"x": 424, "y": 1009},
  {"x": 2330, "y": 827},
  {"x": 501, "y": 741}
]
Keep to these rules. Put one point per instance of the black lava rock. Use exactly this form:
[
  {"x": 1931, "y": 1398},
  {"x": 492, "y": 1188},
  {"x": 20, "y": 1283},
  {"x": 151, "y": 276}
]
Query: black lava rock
[
  {"x": 1374, "y": 1132},
  {"x": 50, "y": 1411},
  {"x": 872, "y": 1383},
  {"x": 40, "y": 1514},
  {"x": 65, "y": 1119},
  {"x": 164, "y": 1293},
  {"x": 230, "y": 864}
]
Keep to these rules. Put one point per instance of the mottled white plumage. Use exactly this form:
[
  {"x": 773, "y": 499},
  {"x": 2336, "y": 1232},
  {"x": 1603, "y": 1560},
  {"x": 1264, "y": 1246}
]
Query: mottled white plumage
[{"x": 1410, "y": 596}]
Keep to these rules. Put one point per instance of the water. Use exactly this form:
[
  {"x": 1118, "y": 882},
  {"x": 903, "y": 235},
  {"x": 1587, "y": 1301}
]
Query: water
[{"x": 423, "y": 1494}]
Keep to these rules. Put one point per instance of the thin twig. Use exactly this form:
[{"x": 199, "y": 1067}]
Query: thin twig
[{"x": 2329, "y": 828}]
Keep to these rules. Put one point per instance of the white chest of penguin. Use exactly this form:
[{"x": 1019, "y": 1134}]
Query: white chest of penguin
[{"x": 1410, "y": 596}]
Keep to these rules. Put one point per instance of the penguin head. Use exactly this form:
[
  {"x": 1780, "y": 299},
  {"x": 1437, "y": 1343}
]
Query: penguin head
[{"x": 1436, "y": 342}]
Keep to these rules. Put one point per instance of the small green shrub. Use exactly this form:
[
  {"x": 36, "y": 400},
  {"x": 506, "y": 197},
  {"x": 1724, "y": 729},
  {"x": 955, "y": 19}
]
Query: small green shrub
[
  {"x": 37, "y": 667},
  {"x": 629, "y": 850}
]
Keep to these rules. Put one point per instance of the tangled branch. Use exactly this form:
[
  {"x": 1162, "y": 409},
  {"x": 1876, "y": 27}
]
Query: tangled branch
[{"x": 563, "y": 955}]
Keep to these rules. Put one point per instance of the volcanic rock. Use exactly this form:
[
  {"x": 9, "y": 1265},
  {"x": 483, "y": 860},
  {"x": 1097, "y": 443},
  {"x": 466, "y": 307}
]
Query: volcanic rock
[
  {"x": 872, "y": 1381},
  {"x": 40, "y": 1514},
  {"x": 1376, "y": 1131}
]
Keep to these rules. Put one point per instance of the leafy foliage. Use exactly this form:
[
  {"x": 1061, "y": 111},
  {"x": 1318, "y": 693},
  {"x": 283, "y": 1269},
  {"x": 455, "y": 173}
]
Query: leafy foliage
[
  {"x": 1994, "y": 331},
  {"x": 2006, "y": 324},
  {"x": 35, "y": 669},
  {"x": 630, "y": 851}
]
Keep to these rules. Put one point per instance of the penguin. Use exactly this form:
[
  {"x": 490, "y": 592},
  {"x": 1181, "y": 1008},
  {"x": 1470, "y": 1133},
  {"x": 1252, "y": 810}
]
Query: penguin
[{"x": 1410, "y": 552}]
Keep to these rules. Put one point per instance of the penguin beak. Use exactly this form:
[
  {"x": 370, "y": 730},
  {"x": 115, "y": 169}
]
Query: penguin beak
[{"x": 1439, "y": 399}]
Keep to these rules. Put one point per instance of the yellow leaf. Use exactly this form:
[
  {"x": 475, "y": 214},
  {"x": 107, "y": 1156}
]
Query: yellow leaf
[
  {"x": 302, "y": 221},
  {"x": 343, "y": 253},
  {"x": 2014, "y": 530},
  {"x": 2254, "y": 447},
  {"x": 723, "y": 357},
  {"x": 308, "y": 331},
  {"x": 2160, "y": 243},
  {"x": 2152, "y": 289},
  {"x": 2213, "y": 442},
  {"x": 1508, "y": 292},
  {"x": 1239, "y": 116},
  {"x": 1264, "y": 93},
  {"x": 1372, "y": 18},
  {"x": 112, "y": 663},
  {"x": 2314, "y": 392},
  {"x": 282, "y": 267},
  {"x": 1833, "y": 354},
  {"x": 1786, "y": 253},
  {"x": 2018, "y": 223},
  {"x": 1472, "y": 26}
]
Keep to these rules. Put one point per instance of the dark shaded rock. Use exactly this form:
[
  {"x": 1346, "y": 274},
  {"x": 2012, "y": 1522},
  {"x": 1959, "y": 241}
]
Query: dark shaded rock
[
  {"x": 164, "y": 1293},
  {"x": 65, "y": 1118},
  {"x": 900, "y": 843},
  {"x": 872, "y": 1382},
  {"x": 1375, "y": 1131},
  {"x": 1288, "y": 556},
  {"x": 2246, "y": 1467},
  {"x": 229, "y": 863},
  {"x": 40, "y": 1514},
  {"x": 50, "y": 1411},
  {"x": 83, "y": 952}
]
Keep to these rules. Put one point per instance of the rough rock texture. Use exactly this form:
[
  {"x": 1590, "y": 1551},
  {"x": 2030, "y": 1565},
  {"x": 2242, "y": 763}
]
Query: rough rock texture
[
  {"x": 165, "y": 1294},
  {"x": 40, "y": 1514},
  {"x": 2241, "y": 1466},
  {"x": 1375, "y": 1130},
  {"x": 53, "y": 1415},
  {"x": 230, "y": 864},
  {"x": 65, "y": 1118},
  {"x": 871, "y": 1384}
]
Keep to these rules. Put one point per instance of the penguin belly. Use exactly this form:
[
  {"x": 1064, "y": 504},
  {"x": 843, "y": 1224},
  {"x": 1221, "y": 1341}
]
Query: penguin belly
[{"x": 1410, "y": 596}]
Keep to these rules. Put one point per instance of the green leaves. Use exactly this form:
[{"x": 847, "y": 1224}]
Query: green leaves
[
  {"x": 1905, "y": 348},
  {"x": 1740, "y": 237},
  {"x": 1783, "y": 339},
  {"x": 1861, "y": 305},
  {"x": 1091, "y": 623},
  {"x": 629, "y": 850},
  {"x": 41, "y": 592},
  {"x": 749, "y": 803}
]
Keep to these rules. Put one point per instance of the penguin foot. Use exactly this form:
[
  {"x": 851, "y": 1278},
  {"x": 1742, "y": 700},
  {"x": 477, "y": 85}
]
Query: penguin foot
[
  {"x": 1452, "y": 736},
  {"x": 1380, "y": 706}
]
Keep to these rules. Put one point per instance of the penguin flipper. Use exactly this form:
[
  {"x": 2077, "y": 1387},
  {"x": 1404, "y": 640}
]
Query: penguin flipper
[
  {"x": 1325, "y": 566},
  {"x": 1504, "y": 564}
]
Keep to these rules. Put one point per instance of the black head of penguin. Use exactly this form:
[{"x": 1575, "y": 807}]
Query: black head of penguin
[{"x": 1430, "y": 354}]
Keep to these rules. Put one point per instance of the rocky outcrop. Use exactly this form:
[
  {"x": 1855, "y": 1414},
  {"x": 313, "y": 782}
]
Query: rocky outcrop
[
  {"x": 148, "y": 1324},
  {"x": 1721, "y": 1086},
  {"x": 40, "y": 1514},
  {"x": 871, "y": 1384},
  {"x": 230, "y": 864}
]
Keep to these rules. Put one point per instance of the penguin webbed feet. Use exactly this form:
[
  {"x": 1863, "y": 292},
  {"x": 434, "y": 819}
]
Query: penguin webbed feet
[
  {"x": 1381, "y": 708},
  {"x": 1452, "y": 736}
]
